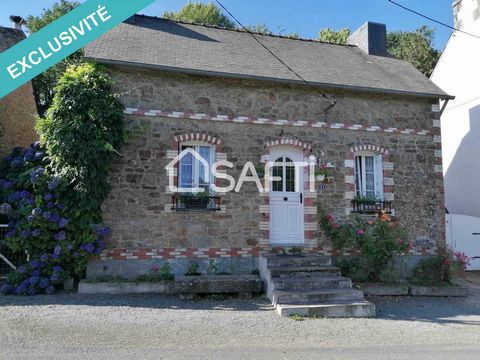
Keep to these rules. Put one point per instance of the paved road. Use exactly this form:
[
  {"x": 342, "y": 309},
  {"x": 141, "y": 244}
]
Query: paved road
[{"x": 158, "y": 327}]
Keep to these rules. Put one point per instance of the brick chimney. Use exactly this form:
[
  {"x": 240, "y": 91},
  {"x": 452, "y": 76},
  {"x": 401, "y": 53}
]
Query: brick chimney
[
  {"x": 466, "y": 14},
  {"x": 17, "y": 22},
  {"x": 371, "y": 38}
]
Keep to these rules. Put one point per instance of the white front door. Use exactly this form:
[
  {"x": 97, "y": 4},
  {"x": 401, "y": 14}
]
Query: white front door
[{"x": 286, "y": 197}]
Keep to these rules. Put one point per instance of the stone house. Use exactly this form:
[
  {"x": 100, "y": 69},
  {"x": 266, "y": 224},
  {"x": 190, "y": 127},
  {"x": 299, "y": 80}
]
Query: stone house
[
  {"x": 17, "y": 109},
  {"x": 370, "y": 121}
]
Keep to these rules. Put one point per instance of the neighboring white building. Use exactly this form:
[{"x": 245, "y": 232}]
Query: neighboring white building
[{"x": 458, "y": 73}]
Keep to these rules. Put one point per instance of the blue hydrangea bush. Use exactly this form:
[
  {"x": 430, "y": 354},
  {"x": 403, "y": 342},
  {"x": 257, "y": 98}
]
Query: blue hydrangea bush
[{"x": 52, "y": 192}]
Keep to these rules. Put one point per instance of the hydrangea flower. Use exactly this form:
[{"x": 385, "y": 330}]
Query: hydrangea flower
[
  {"x": 48, "y": 197},
  {"x": 21, "y": 289},
  {"x": 50, "y": 205},
  {"x": 24, "y": 194},
  {"x": 11, "y": 233},
  {"x": 46, "y": 215},
  {"x": 30, "y": 218},
  {"x": 44, "y": 257},
  {"x": 61, "y": 236},
  {"x": 54, "y": 217},
  {"x": 17, "y": 195},
  {"x": 50, "y": 290},
  {"x": 34, "y": 280},
  {"x": 6, "y": 184},
  {"x": 37, "y": 212},
  {"x": 26, "y": 234},
  {"x": 36, "y": 232},
  {"x": 35, "y": 174},
  {"x": 57, "y": 251},
  {"x": 57, "y": 268},
  {"x": 54, "y": 277},
  {"x": 35, "y": 264},
  {"x": 39, "y": 155},
  {"x": 17, "y": 162},
  {"x": 100, "y": 230},
  {"x": 44, "y": 282},
  {"x": 62, "y": 222},
  {"x": 6, "y": 289},
  {"x": 22, "y": 269},
  {"x": 36, "y": 272},
  {"x": 53, "y": 184},
  {"x": 5, "y": 209},
  {"x": 28, "y": 155}
]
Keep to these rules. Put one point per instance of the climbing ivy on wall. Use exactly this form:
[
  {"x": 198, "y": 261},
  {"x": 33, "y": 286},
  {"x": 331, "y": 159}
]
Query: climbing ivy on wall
[{"x": 52, "y": 192}]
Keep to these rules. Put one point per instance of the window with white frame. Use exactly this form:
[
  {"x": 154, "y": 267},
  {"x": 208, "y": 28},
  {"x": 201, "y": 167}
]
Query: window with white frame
[
  {"x": 369, "y": 176},
  {"x": 191, "y": 169}
]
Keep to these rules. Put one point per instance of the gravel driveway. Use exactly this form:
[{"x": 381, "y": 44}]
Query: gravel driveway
[{"x": 160, "y": 327}]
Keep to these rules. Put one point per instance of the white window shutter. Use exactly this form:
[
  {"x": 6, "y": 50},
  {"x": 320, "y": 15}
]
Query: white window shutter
[{"x": 379, "y": 176}]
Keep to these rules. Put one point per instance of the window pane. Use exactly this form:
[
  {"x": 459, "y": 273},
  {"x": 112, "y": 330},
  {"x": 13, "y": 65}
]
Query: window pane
[
  {"x": 203, "y": 181},
  {"x": 277, "y": 171},
  {"x": 358, "y": 175},
  {"x": 289, "y": 175}
]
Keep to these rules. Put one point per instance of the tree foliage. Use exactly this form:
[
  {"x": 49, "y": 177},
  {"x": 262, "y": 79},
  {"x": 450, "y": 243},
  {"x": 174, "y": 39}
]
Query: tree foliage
[
  {"x": 198, "y": 13},
  {"x": 335, "y": 37},
  {"x": 416, "y": 47},
  {"x": 44, "y": 83},
  {"x": 210, "y": 14}
]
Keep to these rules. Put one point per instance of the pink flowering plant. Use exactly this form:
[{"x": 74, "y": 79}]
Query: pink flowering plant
[
  {"x": 378, "y": 239},
  {"x": 51, "y": 193},
  {"x": 455, "y": 263}
]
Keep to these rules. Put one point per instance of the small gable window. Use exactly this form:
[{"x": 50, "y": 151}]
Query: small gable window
[{"x": 369, "y": 176}]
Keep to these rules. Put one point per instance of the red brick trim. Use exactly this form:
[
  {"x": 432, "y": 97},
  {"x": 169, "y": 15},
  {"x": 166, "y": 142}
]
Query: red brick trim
[
  {"x": 278, "y": 122},
  {"x": 205, "y": 253},
  {"x": 177, "y": 253}
]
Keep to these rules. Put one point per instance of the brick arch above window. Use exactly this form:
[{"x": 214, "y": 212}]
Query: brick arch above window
[
  {"x": 369, "y": 147},
  {"x": 289, "y": 141},
  {"x": 202, "y": 137}
]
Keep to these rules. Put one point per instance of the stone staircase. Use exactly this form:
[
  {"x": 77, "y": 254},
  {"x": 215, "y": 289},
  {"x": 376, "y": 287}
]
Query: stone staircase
[{"x": 308, "y": 285}]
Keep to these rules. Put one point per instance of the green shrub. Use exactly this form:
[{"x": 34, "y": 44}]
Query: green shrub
[
  {"x": 193, "y": 270},
  {"x": 377, "y": 239},
  {"x": 53, "y": 190}
]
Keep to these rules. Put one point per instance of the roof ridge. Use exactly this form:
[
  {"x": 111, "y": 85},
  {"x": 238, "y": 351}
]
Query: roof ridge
[{"x": 245, "y": 32}]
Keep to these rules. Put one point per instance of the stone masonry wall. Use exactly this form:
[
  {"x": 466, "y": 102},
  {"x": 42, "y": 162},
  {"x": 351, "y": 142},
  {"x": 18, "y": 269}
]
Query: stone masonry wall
[
  {"x": 136, "y": 207},
  {"x": 17, "y": 109}
]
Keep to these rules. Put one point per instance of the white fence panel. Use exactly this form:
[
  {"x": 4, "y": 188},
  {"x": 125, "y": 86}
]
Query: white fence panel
[{"x": 463, "y": 234}]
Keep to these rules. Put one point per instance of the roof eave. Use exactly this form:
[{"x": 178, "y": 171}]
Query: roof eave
[{"x": 277, "y": 80}]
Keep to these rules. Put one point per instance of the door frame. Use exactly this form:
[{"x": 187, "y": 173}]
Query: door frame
[{"x": 296, "y": 155}]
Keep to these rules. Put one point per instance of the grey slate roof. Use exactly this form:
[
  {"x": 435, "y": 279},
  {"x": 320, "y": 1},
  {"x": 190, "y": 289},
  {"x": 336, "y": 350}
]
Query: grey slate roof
[{"x": 173, "y": 46}]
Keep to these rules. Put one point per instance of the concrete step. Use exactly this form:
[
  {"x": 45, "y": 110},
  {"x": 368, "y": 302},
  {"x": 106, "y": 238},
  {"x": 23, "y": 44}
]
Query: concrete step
[
  {"x": 304, "y": 271},
  {"x": 298, "y": 260},
  {"x": 311, "y": 283},
  {"x": 330, "y": 310},
  {"x": 316, "y": 296}
]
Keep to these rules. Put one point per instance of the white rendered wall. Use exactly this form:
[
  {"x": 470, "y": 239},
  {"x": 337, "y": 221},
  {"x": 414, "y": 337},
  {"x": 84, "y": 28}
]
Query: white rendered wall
[{"x": 458, "y": 73}]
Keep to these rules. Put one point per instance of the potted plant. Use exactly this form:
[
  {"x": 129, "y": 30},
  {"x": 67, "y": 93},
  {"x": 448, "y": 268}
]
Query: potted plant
[{"x": 324, "y": 173}]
